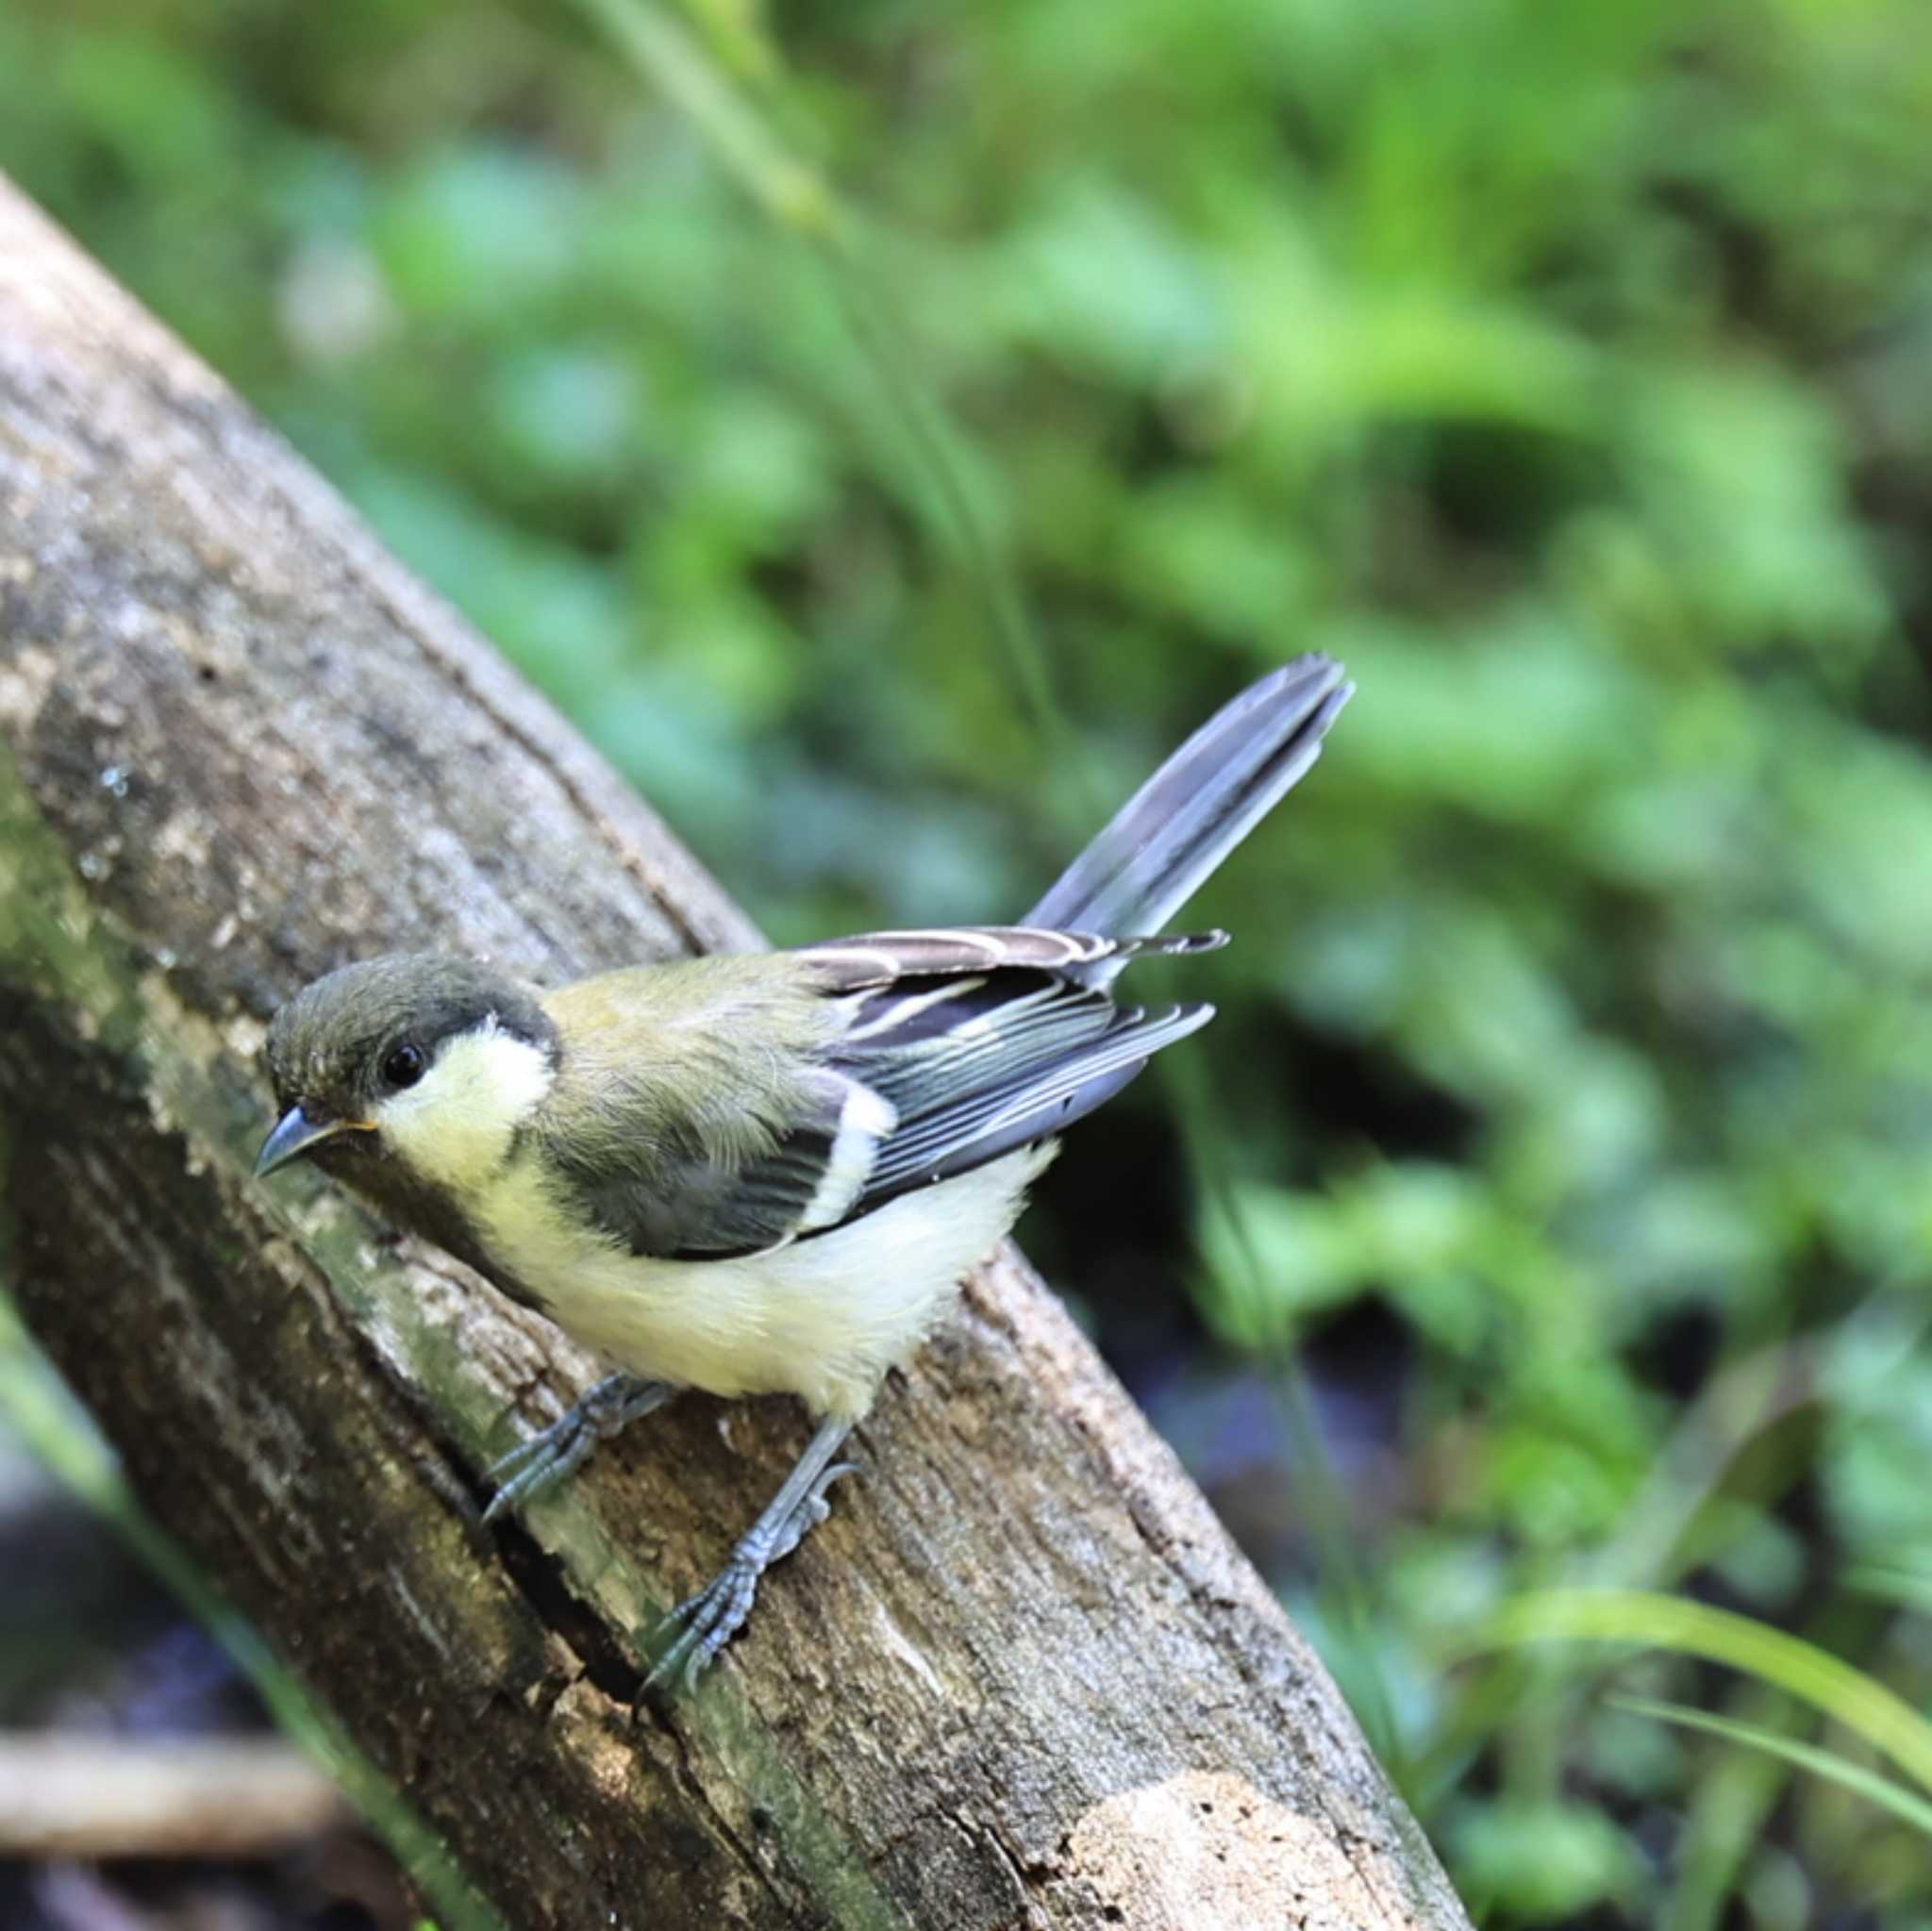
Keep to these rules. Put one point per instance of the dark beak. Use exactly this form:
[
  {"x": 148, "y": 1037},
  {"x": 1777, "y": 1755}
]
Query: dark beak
[{"x": 296, "y": 1134}]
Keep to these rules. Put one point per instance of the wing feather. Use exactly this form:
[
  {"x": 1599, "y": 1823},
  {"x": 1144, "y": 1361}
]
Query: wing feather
[
  {"x": 878, "y": 958},
  {"x": 938, "y": 1051}
]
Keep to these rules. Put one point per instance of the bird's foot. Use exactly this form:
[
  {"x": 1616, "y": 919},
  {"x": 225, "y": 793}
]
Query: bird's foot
[
  {"x": 550, "y": 1457},
  {"x": 702, "y": 1624}
]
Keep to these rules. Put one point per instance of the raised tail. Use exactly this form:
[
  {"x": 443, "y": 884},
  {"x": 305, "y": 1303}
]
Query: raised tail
[{"x": 1162, "y": 845}]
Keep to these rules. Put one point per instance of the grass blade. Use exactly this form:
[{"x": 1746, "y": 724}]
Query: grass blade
[
  {"x": 1845, "y": 1694},
  {"x": 1881, "y": 1790}
]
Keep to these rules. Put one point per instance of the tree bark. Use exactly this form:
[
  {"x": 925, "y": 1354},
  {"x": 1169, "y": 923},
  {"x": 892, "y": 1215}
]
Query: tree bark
[{"x": 1021, "y": 1679}]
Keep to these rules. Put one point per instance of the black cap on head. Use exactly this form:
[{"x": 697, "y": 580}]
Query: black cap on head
[{"x": 345, "y": 1042}]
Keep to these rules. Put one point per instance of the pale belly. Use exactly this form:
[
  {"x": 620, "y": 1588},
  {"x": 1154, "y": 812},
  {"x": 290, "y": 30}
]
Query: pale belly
[{"x": 821, "y": 1318}]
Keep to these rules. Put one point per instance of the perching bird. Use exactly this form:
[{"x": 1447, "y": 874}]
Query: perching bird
[{"x": 768, "y": 1173}]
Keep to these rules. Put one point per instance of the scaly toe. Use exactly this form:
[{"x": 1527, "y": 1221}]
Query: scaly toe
[
  {"x": 546, "y": 1460},
  {"x": 704, "y": 1624},
  {"x": 538, "y": 1464}
]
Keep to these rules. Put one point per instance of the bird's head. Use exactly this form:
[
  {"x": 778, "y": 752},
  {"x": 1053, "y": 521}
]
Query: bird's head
[{"x": 422, "y": 1057}]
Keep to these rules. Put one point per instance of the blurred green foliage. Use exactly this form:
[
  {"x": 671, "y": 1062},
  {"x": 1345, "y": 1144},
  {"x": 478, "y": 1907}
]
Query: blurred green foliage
[{"x": 1565, "y": 368}]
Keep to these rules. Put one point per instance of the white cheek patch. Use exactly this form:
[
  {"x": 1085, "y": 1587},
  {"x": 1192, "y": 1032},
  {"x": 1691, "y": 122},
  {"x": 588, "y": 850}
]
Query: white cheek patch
[{"x": 455, "y": 1125}]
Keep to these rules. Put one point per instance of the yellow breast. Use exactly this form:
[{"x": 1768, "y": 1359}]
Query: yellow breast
[{"x": 821, "y": 1318}]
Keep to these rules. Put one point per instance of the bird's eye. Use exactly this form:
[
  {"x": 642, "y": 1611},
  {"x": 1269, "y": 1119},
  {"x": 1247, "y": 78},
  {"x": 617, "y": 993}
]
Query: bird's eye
[{"x": 405, "y": 1066}]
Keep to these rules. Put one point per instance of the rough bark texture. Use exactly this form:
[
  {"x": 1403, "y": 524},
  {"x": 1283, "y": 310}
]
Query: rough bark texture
[{"x": 1021, "y": 1677}]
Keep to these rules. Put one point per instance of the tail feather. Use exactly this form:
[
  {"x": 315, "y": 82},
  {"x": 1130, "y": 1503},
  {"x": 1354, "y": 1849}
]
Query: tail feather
[{"x": 1162, "y": 844}]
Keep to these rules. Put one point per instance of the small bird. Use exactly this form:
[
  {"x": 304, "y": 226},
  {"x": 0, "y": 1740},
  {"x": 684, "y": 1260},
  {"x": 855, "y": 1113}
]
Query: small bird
[{"x": 768, "y": 1173}]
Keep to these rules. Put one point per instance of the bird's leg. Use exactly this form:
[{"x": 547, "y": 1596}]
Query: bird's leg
[
  {"x": 706, "y": 1621},
  {"x": 545, "y": 1460}
]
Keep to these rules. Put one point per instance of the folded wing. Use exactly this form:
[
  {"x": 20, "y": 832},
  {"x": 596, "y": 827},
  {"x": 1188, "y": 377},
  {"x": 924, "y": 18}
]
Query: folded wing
[{"x": 953, "y": 1047}]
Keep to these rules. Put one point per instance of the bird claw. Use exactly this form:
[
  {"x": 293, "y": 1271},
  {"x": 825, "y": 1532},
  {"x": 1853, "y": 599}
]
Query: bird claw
[
  {"x": 538, "y": 1464},
  {"x": 554, "y": 1456},
  {"x": 704, "y": 1622}
]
